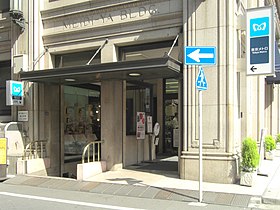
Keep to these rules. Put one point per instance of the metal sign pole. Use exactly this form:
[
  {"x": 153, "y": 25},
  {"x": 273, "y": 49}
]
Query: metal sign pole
[{"x": 200, "y": 144}]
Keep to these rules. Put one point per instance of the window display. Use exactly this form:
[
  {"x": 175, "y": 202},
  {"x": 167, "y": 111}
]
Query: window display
[{"x": 82, "y": 119}]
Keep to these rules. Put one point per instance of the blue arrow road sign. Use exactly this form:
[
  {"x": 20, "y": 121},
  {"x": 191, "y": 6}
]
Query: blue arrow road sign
[
  {"x": 200, "y": 55},
  {"x": 201, "y": 82}
]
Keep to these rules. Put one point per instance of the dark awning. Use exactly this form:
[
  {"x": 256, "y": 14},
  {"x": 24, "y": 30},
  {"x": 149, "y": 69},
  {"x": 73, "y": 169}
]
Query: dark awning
[
  {"x": 275, "y": 79},
  {"x": 165, "y": 67}
]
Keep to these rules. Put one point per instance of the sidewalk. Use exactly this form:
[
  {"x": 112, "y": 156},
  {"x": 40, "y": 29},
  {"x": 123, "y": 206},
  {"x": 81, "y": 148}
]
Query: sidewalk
[{"x": 148, "y": 184}]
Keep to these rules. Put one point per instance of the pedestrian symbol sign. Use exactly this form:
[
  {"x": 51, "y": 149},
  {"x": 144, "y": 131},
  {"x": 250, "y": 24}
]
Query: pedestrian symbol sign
[{"x": 201, "y": 82}]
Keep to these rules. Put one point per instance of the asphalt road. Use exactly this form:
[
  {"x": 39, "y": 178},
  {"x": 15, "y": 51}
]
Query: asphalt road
[{"x": 17, "y": 197}]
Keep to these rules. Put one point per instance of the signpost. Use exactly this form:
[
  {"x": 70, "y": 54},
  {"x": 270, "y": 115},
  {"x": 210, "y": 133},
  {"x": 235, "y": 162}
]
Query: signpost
[
  {"x": 260, "y": 41},
  {"x": 198, "y": 56},
  {"x": 201, "y": 84}
]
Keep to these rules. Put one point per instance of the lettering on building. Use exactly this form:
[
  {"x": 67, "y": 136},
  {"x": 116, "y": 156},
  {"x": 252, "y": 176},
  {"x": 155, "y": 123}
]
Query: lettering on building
[{"x": 105, "y": 18}]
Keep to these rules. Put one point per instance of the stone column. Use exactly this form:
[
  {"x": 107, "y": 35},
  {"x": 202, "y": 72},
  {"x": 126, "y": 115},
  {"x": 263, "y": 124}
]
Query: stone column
[
  {"x": 111, "y": 115},
  {"x": 215, "y": 28}
]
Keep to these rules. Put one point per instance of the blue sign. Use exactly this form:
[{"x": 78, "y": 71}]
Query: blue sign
[
  {"x": 200, "y": 55},
  {"x": 259, "y": 27},
  {"x": 260, "y": 41},
  {"x": 17, "y": 89},
  {"x": 201, "y": 82},
  {"x": 259, "y": 50}
]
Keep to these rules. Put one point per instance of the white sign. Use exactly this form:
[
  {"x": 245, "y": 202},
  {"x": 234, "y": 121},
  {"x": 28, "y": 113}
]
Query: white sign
[
  {"x": 23, "y": 116},
  {"x": 14, "y": 93},
  {"x": 149, "y": 124},
  {"x": 140, "y": 125},
  {"x": 260, "y": 41}
]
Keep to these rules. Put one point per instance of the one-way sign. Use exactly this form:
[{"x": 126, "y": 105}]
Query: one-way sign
[{"x": 200, "y": 55}]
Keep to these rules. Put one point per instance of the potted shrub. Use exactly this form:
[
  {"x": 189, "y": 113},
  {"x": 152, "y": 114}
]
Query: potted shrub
[
  {"x": 278, "y": 141},
  {"x": 270, "y": 146},
  {"x": 249, "y": 161}
]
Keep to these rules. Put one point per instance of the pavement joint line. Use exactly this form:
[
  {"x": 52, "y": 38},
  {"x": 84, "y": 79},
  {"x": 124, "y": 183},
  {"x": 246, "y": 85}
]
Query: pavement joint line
[
  {"x": 144, "y": 191},
  {"x": 118, "y": 189}
]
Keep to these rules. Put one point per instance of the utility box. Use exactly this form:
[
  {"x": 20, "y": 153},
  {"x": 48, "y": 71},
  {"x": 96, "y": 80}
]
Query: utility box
[{"x": 12, "y": 132}]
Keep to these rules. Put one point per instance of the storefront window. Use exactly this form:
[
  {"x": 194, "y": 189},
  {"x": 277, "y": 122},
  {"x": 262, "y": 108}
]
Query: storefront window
[
  {"x": 76, "y": 59},
  {"x": 5, "y": 72},
  {"x": 5, "y": 5},
  {"x": 82, "y": 120},
  {"x": 171, "y": 126}
]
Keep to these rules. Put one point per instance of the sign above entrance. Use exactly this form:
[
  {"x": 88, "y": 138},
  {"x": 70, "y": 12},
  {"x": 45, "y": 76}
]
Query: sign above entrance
[
  {"x": 260, "y": 41},
  {"x": 200, "y": 55}
]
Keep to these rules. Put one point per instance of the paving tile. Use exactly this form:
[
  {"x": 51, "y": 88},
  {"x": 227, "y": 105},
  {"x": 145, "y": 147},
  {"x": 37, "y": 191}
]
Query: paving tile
[
  {"x": 88, "y": 186},
  {"x": 113, "y": 188},
  {"x": 52, "y": 183},
  {"x": 183, "y": 195},
  {"x": 209, "y": 197},
  {"x": 17, "y": 180},
  {"x": 163, "y": 194},
  {"x": 241, "y": 200},
  {"x": 74, "y": 186},
  {"x": 224, "y": 198},
  {"x": 150, "y": 192},
  {"x": 124, "y": 190},
  {"x": 35, "y": 181},
  {"x": 101, "y": 188},
  {"x": 137, "y": 191}
]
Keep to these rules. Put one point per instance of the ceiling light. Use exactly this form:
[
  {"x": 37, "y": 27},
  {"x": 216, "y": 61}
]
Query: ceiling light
[
  {"x": 70, "y": 80},
  {"x": 134, "y": 74}
]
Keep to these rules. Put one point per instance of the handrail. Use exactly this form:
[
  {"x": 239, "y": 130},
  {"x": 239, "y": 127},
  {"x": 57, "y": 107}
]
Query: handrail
[
  {"x": 87, "y": 149},
  {"x": 34, "y": 153}
]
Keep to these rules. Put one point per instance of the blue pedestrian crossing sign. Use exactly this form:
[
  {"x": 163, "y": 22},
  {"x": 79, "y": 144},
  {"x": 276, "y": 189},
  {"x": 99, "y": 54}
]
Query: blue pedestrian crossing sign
[{"x": 201, "y": 82}]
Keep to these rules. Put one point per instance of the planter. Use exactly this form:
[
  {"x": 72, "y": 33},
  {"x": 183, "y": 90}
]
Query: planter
[
  {"x": 270, "y": 155},
  {"x": 278, "y": 146},
  {"x": 248, "y": 178}
]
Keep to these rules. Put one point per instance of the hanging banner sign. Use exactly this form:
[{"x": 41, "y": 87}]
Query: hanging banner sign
[
  {"x": 140, "y": 125},
  {"x": 260, "y": 41},
  {"x": 14, "y": 93}
]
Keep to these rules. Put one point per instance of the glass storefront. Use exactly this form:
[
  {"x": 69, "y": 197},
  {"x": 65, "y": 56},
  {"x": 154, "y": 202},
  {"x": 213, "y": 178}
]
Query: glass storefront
[{"x": 81, "y": 120}]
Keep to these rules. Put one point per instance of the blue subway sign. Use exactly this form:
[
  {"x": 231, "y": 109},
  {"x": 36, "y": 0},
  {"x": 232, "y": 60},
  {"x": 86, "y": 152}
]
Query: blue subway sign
[
  {"x": 200, "y": 55},
  {"x": 14, "y": 93},
  {"x": 260, "y": 41}
]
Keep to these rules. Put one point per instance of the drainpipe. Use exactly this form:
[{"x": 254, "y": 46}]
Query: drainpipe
[
  {"x": 185, "y": 77},
  {"x": 35, "y": 43}
]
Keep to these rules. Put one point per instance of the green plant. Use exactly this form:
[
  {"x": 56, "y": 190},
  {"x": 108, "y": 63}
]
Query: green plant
[
  {"x": 278, "y": 138},
  {"x": 269, "y": 143},
  {"x": 249, "y": 154}
]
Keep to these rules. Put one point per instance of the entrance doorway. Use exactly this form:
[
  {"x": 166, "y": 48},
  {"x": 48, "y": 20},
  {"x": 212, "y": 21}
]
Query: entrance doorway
[
  {"x": 82, "y": 123},
  {"x": 170, "y": 115}
]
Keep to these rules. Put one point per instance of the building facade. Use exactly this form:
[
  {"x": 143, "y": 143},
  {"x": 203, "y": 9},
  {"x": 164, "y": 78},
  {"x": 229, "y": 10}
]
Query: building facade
[{"x": 91, "y": 69}]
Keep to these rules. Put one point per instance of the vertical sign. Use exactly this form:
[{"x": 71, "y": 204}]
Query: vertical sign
[
  {"x": 14, "y": 93},
  {"x": 260, "y": 41},
  {"x": 140, "y": 125},
  {"x": 149, "y": 124},
  {"x": 3, "y": 151},
  {"x": 3, "y": 157}
]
